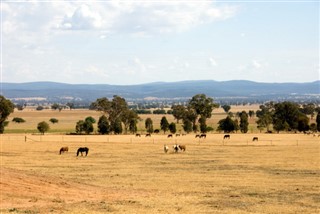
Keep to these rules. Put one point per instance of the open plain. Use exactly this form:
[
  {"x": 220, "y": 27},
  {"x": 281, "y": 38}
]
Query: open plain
[{"x": 128, "y": 174}]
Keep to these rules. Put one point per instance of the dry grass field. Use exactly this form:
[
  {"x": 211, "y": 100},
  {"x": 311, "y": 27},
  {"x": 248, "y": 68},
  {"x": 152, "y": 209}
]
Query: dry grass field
[{"x": 128, "y": 174}]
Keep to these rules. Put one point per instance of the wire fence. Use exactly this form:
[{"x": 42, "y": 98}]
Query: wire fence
[{"x": 240, "y": 140}]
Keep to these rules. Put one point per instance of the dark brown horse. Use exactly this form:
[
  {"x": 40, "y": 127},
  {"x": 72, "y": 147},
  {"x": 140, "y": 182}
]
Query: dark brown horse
[
  {"x": 83, "y": 149},
  {"x": 64, "y": 149}
]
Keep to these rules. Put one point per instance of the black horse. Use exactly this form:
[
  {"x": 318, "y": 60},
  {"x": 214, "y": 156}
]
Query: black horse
[{"x": 83, "y": 149}]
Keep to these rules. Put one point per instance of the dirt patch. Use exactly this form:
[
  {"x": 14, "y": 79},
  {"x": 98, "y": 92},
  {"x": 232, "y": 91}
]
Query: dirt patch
[{"x": 23, "y": 190}]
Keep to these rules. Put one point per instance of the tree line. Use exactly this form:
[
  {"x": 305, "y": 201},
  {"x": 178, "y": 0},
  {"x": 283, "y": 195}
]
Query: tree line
[{"x": 117, "y": 117}]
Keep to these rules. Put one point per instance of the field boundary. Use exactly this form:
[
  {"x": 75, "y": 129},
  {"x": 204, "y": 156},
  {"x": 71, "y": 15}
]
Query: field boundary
[{"x": 162, "y": 139}]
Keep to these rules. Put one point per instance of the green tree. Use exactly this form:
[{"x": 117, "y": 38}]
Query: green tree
[
  {"x": 187, "y": 125},
  {"x": 251, "y": 113},
  {"x": 202, "y": 106},
  {"x": 226, "y": 108},
  {"x": 287, "y": 114},
  {"x": 149, "y": 125},
  {"x": 172, "y": 128},
  {"x": 55, "y": 106},
  {"x": 203, "y": 125},
  {"x": 164, "y": 124},
  {"x": 70, "y": 105},
  {"x": 130, "y": 119},
  {"x": 54, "y": 120},
  {"x": 318, "y": 121},
  {"x": 79, "y": 127},
  {"x": 244, "y": 122},
  {"x": 303, "y": 123},
  {"x": 117, "y": 126},
  {"x": 227, "y": 125},
  {"x": 88, "y": 126},
  {"x": 114, "y": 110},
  {"x": 133, "y": 126},
  {"x": 6, "y": 108},
  {"x": 308, "y": 109},
  {"x": 178, "y": 112},
  {"x": 191, "y": 116},
  {"x": 313, "y": 127},
  {"x": 265, "y": 116},
  {"x": 43, "y": 127},
  {"x": 18, "y": 120},
  {"x": 90, "y": 119},
  {"x": 103, "y": 125}
]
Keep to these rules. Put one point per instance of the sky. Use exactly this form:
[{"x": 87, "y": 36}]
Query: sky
[{"x": 133, "y": 42}]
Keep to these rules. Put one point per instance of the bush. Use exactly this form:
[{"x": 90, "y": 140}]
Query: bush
[
  {"x": 18, "y": 120},
  {"x": 54, "y": 120}
]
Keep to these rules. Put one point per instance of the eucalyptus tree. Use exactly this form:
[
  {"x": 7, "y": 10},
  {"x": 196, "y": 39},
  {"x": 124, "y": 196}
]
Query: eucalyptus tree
[{"x": 6, "y": 108}]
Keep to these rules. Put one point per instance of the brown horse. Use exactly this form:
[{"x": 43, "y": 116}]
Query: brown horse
[{"x": 64, "y": 149}]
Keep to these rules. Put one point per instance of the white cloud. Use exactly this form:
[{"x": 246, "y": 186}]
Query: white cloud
[
  {"x": 212, "y": 62},
  {"x": 256, "y": 64},
  {"x": 144, "y": 18}
]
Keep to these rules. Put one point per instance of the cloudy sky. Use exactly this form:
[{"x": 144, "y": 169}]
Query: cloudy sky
[{"x": 133, "y": 42}]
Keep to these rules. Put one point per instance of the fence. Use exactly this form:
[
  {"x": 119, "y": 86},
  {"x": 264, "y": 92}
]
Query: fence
[{"x": 236, "y": 140}]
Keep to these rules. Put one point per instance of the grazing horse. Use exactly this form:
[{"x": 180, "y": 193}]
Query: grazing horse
[
  {"x": 169, "y": 135},
  {"x": 182, "y": 147},
  {"x": 255, "y": 139},
  {"x": 176, "y": 148},
  {"x": 64, "y": 149},
  {"x": 227, "y": 136},
  {"x": 138, "y": 135},
  {"x": 165, "y": 148},
  {"x": 148, "y": 135},
  {"x": 203, "y": 136},
  {"x": 83, "y": 149},
  {"x": 197, "y": 136}
]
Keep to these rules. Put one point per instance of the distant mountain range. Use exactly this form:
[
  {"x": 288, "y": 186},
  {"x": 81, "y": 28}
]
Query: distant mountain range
[{"x": 160, "y": 90}]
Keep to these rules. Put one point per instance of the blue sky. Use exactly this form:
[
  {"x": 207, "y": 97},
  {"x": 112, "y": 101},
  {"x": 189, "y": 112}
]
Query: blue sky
[{"x": 134, "y": 42}]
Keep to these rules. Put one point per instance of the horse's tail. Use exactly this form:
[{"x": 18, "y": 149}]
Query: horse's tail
[
  {"x": 78, "y": 152},
  {"x": 87, "y": 151},
  {"x": 60, "y": 151}
]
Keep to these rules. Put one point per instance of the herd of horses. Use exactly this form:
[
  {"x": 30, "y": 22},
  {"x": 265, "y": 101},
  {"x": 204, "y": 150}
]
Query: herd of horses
[
  {"x": 80, "y": 150},
  {"x": 176, "y": 147}
]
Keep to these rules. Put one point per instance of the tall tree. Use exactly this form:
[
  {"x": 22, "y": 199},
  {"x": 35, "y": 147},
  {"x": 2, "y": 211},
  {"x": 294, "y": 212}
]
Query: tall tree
[
  {"x": 318, "y": 121},
  {"x": 43, "y": 127},
  {"x": 149, "y": 125},
  {"x": 265, "y": 116},
  {"x": 286, "y": 115},
  {"x": 202, "y": 106},
  {"x": 172, "y": 128},
  {"x": 203, "y": 125},
  {"x": 129, "y": 118},
  {"x": 244, "y": 122},
  {"x": 114, "y": 110},
  {"x": 178, "y": 112},
  {"x": 164, "y": 124},
  {"x": 187, "y": 125},
  {"x": 117, "y": 126},
  {"x": 6, "y": 108},
  {"x": 103, "y": 125},
  {"x": 227, "y": 125}
]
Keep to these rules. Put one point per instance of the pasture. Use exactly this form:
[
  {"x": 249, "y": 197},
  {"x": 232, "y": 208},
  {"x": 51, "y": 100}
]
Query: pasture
[{"x": 128, "y": 174}]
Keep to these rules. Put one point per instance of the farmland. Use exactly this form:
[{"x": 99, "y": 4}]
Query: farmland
[{"x": 128, "y": 174}]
